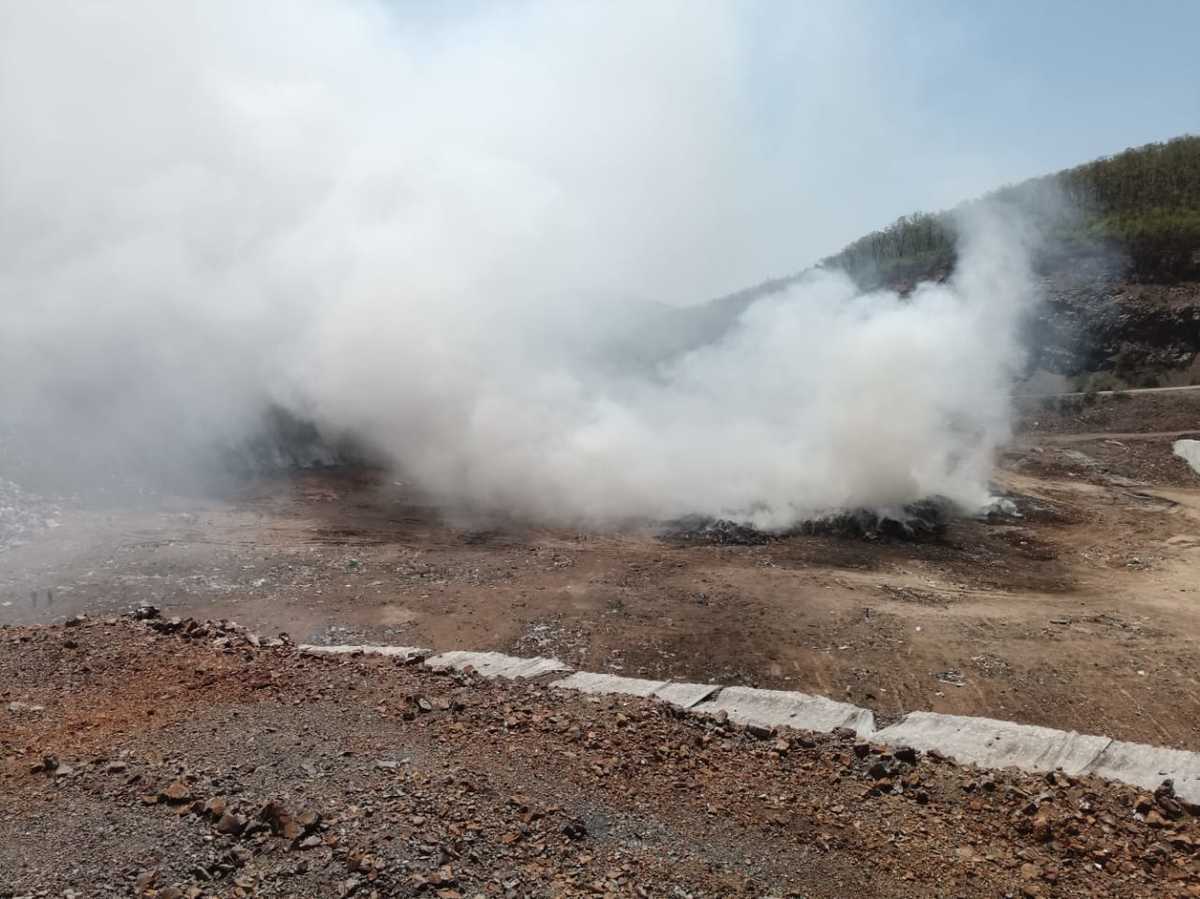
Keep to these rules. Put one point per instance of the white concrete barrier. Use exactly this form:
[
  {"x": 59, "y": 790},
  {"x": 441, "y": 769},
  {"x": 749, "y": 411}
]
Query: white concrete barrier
[
  {"x": 684, "y": 695},
  {"x": 783, "y": 708},
  {"x": 407, "y": 653},
  {"x": 995, "y": 744},
  {"x": 1148, "y": 766},
  {"x": 1189, "y": 452},
  {"x": 586, "y": 682},
  {"x": 496, "y": 664},
  {"x": 986, "y": 742}
]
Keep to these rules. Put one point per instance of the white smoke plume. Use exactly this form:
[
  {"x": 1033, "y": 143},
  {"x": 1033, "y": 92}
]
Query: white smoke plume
[
  {"x": 464, "y": 243},
  {"x": 818, "y": 399}
]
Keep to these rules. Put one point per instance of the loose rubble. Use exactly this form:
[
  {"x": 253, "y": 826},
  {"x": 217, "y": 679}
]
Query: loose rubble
[{"x": 175, "y": 758}]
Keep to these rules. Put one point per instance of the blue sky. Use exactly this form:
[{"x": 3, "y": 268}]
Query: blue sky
[
  {"x": 1056, "y": 83},
  {"x": 947, "y": 100}
]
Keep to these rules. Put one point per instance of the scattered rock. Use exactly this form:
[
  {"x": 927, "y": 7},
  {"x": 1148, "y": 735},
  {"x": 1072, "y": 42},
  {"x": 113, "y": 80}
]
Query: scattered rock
[
  {"x": 760, "y": 731},
  {"x": 444, "y": 823},
  {"x": 176, "y": 792},
  {"x": 574, "y": 830},
  {"x": 230, "y": 823},
  {"x": 284, "y": 824}
]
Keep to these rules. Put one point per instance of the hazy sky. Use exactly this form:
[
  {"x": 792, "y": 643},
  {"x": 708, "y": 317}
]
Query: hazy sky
[
  {"x": 864, "y": 111},
  {"x": 724, "y": 143},
  {"x": 949, "y": 99}
]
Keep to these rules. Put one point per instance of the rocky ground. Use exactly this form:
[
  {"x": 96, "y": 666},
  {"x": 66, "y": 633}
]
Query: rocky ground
[
  {"x": 177, "y": 758},
  {"x": 140, "y": 756},
  {"x": 1080, "y": 612}
]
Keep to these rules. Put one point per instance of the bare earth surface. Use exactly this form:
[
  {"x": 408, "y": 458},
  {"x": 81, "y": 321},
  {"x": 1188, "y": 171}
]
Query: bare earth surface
[
  {"x": 1079, "y": 611},
  {"x": 1082, "y": 612},
  {"x": 186, "y": 761}
]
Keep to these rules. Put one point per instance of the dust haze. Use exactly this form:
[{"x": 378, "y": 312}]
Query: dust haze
[{"x": 465, "y": 243}]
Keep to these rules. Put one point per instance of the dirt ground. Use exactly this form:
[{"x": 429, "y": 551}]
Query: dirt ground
[
  {"x": 1082, "y": 611},
  {"x": 145, "y": 759}
]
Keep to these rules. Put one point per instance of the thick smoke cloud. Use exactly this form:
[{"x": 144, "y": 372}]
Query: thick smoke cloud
[
  {"x": 461, "y": 240},
  {"x": 816, "y": 399}
]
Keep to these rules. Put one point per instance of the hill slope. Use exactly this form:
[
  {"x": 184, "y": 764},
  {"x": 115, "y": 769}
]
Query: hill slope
[{"x": 1120, "y": 263}]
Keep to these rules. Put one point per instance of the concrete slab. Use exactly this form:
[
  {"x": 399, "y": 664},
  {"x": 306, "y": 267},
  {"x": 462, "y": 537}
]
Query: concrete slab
[
  {"x": 587, "y": 682},
  {"x": 1148, "y": 766},
  {"x": 496, "y": 664},
  {"x": 1189, "y": 452},
  {"x": 783, "y": 708},
  {"x": 685, "y": 695},
  {"x": 995, "y": 744},
  {"x": 407, "y": 653}
]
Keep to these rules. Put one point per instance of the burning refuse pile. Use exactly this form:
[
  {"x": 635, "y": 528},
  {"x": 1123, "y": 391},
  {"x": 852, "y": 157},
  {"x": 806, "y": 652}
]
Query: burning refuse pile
[
  {"x": 721, "y": 531},
  {"x": 926, "y": 519}
]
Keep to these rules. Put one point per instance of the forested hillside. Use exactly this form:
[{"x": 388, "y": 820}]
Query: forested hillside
[
  {"x": 1144, "y": 202},
  {"x": 1119, "y": 265}
]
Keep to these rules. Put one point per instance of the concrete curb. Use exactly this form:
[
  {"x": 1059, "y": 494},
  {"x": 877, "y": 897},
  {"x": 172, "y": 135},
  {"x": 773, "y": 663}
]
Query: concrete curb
[
  {"x": 986, "y": 742},
  {"x": 407, "y": 653},
  {"x": 995, "y": 744},
  {"x": 783, "y": 708},
  {"x": 1148, "y": 766},
  {"x": 496, "y": 664},
  {"x": 684, "y": 695}
]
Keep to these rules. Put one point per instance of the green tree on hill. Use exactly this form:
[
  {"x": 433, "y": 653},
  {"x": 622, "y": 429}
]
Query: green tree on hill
[{"x": 1144, "y": 201}]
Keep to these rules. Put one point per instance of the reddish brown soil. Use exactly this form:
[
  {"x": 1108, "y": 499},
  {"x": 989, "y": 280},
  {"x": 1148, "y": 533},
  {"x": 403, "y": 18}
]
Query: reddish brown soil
[{"x": 207, "y": 767}]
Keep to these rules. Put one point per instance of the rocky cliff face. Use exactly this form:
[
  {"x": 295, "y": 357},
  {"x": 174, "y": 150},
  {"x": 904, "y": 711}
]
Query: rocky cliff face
[{"x": 1096, "y": 319}]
